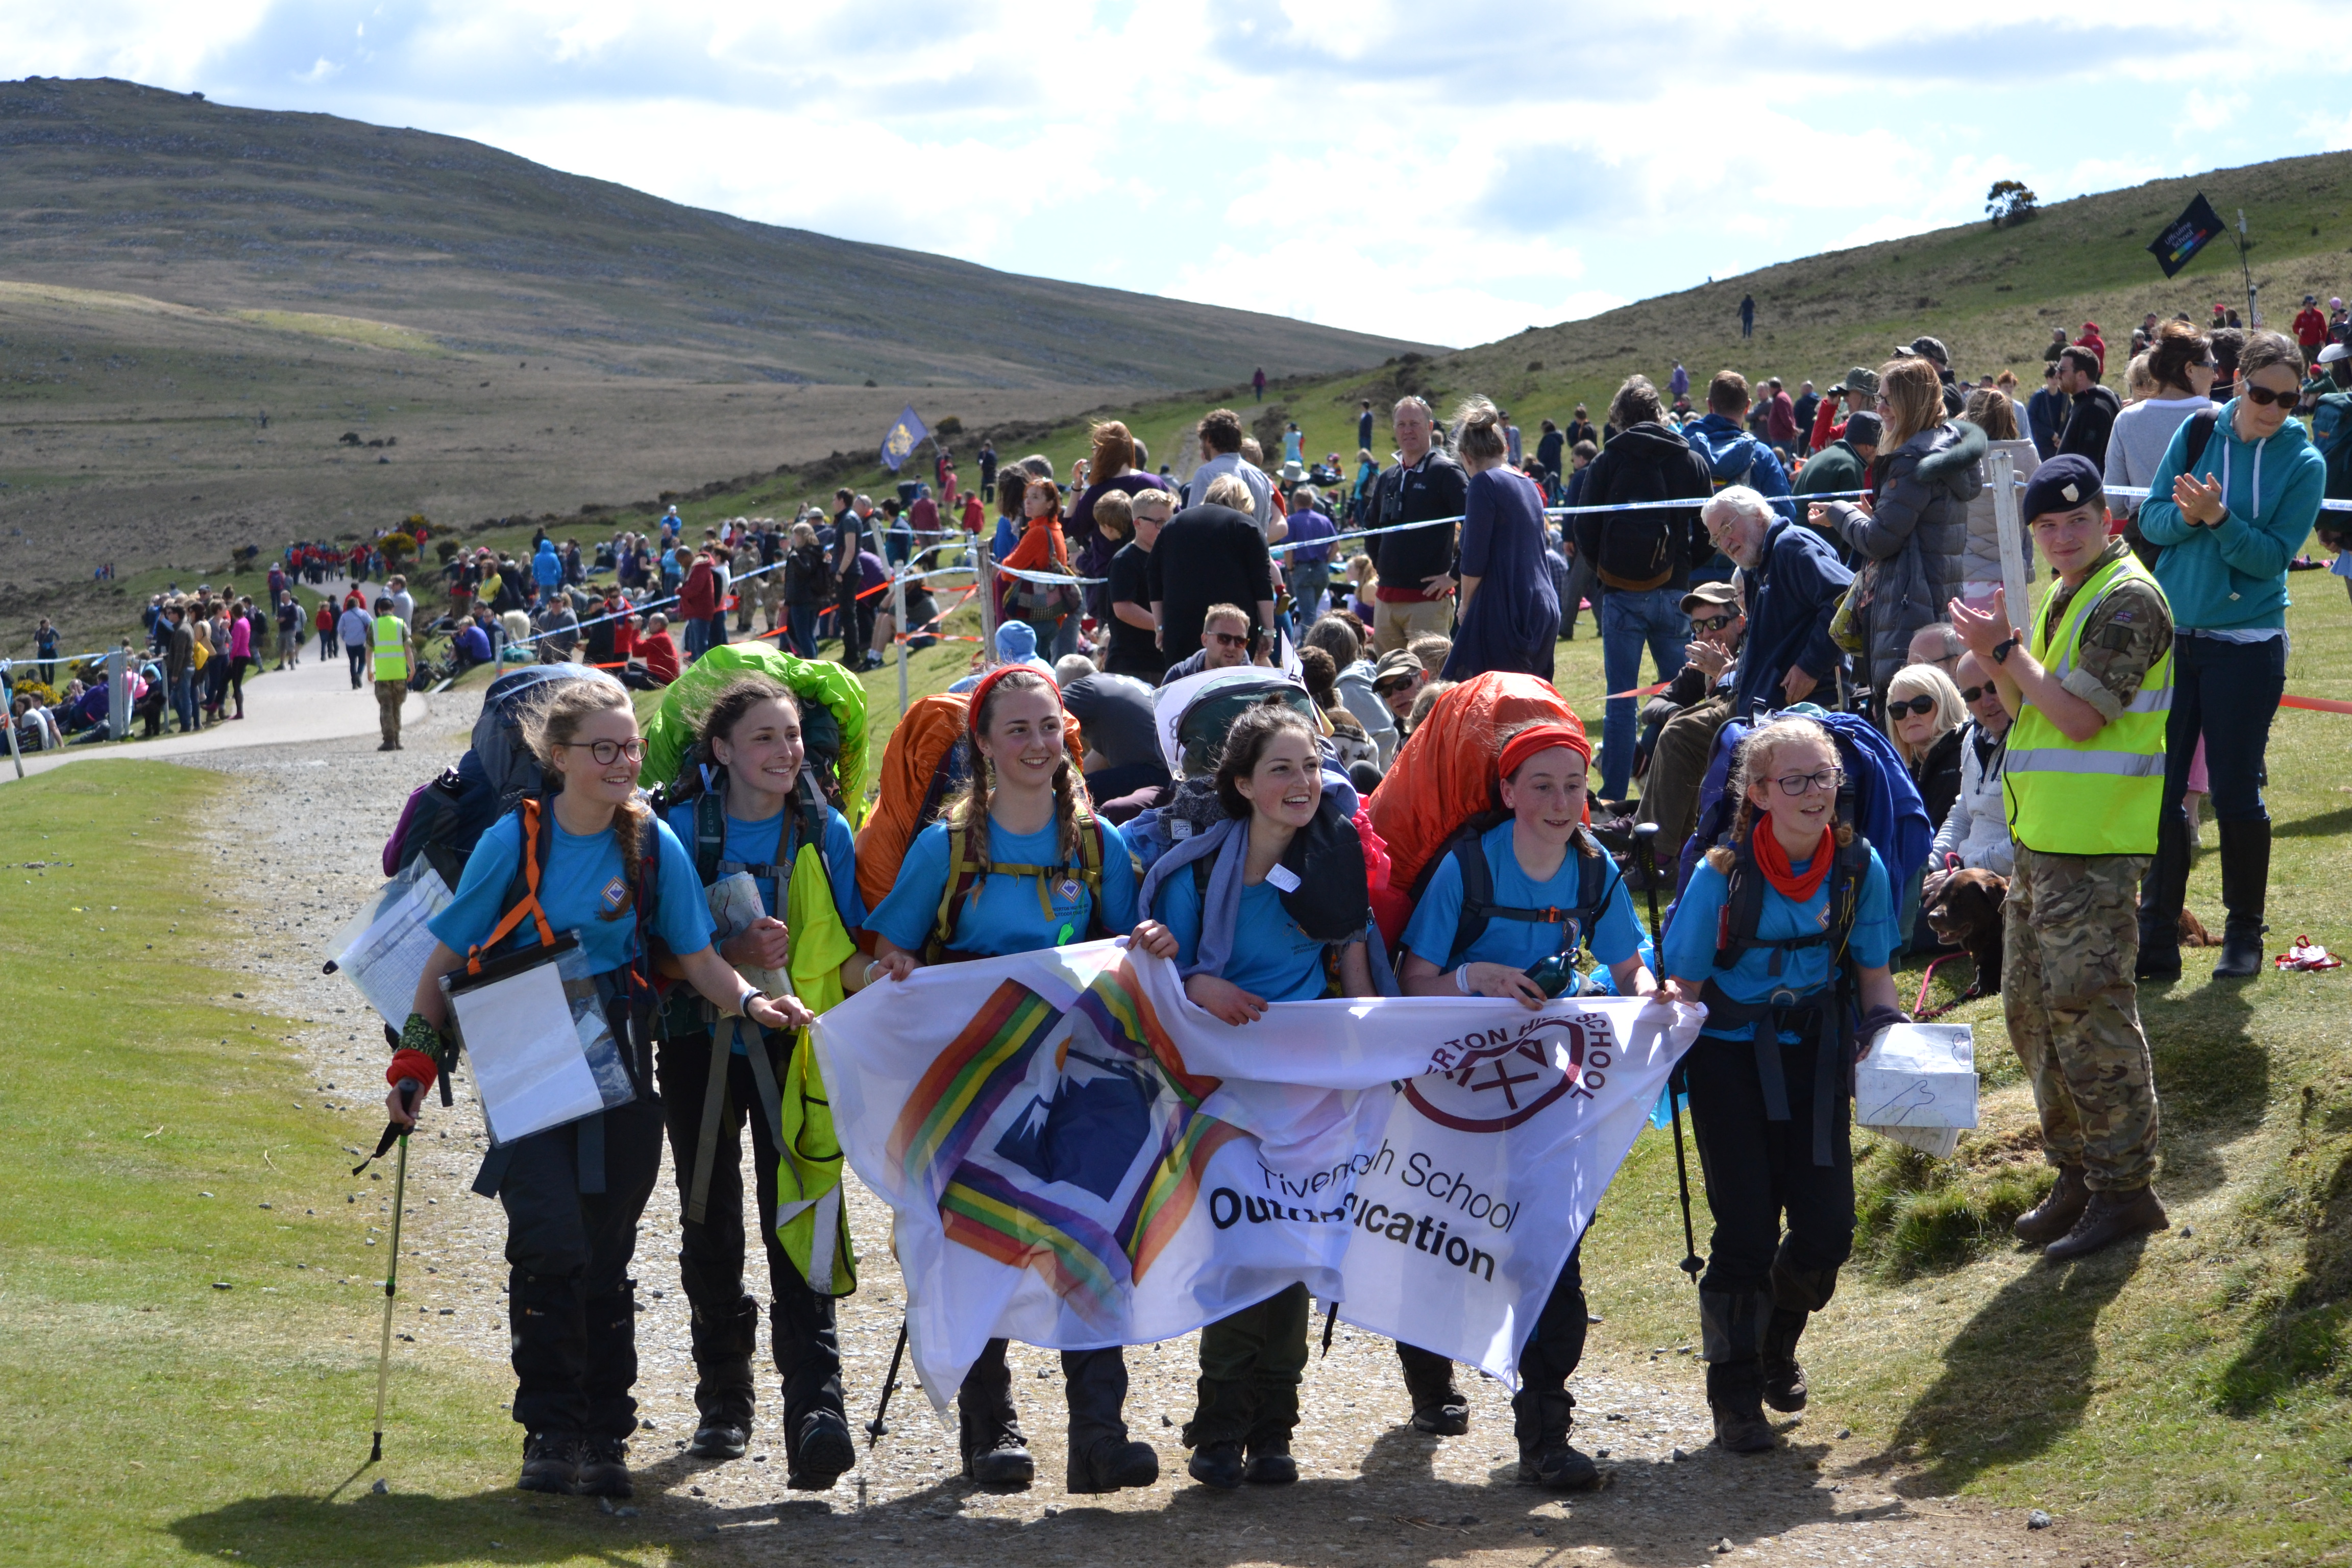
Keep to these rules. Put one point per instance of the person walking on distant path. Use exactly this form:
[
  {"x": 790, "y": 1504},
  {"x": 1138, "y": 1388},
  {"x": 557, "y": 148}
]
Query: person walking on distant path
[
  {"x": 357, "y": 632},
  {"x": 45, "y": 648},
  {"x": 1678, "y": 383},
  {"x": 390, "y": 641},
  {"x": 1747, "y": 315},
  {"x": 1257, "y": 385}
]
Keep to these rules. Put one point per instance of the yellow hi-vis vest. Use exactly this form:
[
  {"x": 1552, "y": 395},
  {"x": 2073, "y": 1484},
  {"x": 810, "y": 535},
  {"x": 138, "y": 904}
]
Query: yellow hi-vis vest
[
  {"x": 2098, "y": 796},
  {"x": 391, "y": 649},
  {"x": 811, "y": 1221}
]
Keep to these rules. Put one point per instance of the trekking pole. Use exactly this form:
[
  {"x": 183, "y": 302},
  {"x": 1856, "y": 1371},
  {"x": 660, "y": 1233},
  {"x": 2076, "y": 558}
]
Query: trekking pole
[
  {"x": 1646, "y": 835},
  {"x": 876, "y": 1427},
  {"x": 392, "y": 1276}
]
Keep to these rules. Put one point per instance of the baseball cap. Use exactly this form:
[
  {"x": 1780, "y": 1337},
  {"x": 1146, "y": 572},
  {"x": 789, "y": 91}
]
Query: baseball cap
[
  {"x": 1863, "y": 429},
  {"x": 1721, "y": 594},
  {"x": 2061, "y": 484},
  {"x": 1397, "y": 664},
  {"x": 1862, "y": 381},
  {"x": 1926, "y": 348}
]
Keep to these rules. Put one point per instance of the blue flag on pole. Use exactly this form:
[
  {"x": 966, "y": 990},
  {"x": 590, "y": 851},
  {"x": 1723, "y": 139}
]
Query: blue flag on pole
[
  {"x": 2185, "y": 235},
  {"x": 899, "y": 442}
]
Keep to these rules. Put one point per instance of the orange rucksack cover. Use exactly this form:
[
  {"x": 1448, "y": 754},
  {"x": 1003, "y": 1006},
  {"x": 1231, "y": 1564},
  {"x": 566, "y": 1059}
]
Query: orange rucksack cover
[
  {"x": 1444, "y": 775},
  {"x": 917, "y": 747}
]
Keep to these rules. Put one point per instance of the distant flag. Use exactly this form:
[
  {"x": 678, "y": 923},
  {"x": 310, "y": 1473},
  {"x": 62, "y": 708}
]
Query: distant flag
[
  {"x": 2185, "y": 235},
  {"x": 900, "y": 443}
]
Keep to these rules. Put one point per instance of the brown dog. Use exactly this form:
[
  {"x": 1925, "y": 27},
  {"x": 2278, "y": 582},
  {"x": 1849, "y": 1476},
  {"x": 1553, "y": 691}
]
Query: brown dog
[{"x": 1967, "y": 914}]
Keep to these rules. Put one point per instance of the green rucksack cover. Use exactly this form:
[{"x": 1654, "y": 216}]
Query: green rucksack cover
[{"x": 832, "y": 715}]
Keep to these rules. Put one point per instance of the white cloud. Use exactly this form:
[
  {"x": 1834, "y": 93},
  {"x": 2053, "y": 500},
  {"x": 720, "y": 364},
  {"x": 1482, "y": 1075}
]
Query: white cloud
[{"x": 1450, "y": 176}]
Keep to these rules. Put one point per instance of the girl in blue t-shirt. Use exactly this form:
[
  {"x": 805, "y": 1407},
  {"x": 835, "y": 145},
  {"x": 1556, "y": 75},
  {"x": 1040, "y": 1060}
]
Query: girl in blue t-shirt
[
  {"x": 1535, "y": 866},
  {"x": 1223, "y": 916},
  {"x": 1023, "y": 823},
  {"x": 573, "y": 1194},
  {"x": 748, "y": 761},
  {"x": 1771, "y": 1113}
]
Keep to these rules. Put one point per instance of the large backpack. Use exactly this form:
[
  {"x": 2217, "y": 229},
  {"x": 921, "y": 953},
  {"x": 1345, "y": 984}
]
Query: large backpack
[
  {"x": 833, "y": 717},
  {"x": 446, "y": 817}
]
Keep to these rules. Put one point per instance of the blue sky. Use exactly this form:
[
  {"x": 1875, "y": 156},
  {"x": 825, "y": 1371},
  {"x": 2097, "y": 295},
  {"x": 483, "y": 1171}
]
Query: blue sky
[{"x": 1446, "y": 172}]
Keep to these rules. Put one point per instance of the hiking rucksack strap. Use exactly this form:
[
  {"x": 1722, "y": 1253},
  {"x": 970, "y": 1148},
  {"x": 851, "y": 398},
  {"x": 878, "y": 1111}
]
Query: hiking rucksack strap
[
  {"x": 1479, "y": 909},
  {"x": 964, "y": 874},
  {"x": 538, "y": 834}
]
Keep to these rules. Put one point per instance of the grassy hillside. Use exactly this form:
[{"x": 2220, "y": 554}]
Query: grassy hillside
[{"x": 297, "y": 217}]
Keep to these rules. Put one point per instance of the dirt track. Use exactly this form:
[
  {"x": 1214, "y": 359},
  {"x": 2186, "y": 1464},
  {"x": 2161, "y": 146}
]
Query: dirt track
[{"x": 1371, "y": 1489}]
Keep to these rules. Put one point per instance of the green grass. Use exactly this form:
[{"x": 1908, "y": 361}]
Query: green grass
[{"x": 159, "y": 1138}]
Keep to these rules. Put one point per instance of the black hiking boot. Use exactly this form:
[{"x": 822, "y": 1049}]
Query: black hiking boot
[
  {"x": 2109, "y": 1218},
  {"x": 1783, "y": 1377},
  {"x": 604, "y": 1468},
  {"x": 2055, "y": 1215},
  {"x": 1438, "y": 1406},
  {"x": 995, "y": 1454},
  {"x": 820, "y": 1451},
  {"x": 1103, "y": 1457},
  {"x": 1734, "y": 1397},
  {"x": 1540, "y": 1419},
  {"x": 718, "y": 1439},
  {"x": 1217, "y": 1465},
  {"x": 1270, "y": 1465},
  {"x": 550, "y": 1462}
]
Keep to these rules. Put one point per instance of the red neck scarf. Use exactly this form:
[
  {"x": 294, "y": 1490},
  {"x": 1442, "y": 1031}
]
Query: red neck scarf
[{"x": 1773, "y": 861}]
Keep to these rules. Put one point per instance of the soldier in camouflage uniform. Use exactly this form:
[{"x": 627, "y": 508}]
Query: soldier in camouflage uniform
[{"x": 2082, "y": 779}]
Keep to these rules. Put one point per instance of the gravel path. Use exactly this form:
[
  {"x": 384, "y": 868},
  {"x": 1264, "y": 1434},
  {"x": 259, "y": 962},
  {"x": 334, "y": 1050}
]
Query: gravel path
[{"x": 1372, "y": 1490}]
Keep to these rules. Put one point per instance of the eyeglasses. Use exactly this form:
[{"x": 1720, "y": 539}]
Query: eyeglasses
[
  {"x": 1795, "y": 784},
  {"x": 1971, "y": 693},
  {"x": 2262, "y": 396},
  {"x": 1921, "y": 705},
  {"x": 1713, "y": 622},
  {"x": 607, "y": 753}
]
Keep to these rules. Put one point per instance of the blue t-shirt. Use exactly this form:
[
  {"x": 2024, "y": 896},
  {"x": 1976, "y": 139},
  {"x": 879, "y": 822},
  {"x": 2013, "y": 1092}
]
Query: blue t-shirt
[
  {"x": 1001, "y": 915},
  {"x": 754, "y": 844},
  {"x": 1615, "y": 937},
  {"x": 1306, "y": 528},
  {"x": 583, "y": 877},
  {"x": 1690, "y": 939},
  {"x": 1271, "y": 958}
]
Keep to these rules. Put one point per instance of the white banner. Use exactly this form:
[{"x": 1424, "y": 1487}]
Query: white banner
[{"x": 1078, "y": 1157}]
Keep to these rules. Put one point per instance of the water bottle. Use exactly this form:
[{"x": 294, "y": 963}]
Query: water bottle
[{"x": 1554, "y": 975}]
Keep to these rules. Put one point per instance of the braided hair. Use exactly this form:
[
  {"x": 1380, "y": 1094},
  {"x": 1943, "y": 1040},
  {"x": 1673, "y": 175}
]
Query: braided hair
[
  {"x": 966, "y": 809},
  {"x": 548, "y": 726}
]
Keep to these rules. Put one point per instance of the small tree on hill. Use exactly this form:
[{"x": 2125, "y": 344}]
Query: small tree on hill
[{"x": 2011, "y": 199}]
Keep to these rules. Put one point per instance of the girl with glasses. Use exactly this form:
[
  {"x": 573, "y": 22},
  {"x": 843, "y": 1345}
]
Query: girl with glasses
[
  {"x": 1783, "y": 932},
  {"x": 619, "y": 881}
]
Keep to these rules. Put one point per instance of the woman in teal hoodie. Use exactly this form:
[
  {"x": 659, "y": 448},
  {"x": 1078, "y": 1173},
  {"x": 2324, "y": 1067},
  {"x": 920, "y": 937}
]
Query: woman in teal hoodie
[{"x": 2228, "y": 523}]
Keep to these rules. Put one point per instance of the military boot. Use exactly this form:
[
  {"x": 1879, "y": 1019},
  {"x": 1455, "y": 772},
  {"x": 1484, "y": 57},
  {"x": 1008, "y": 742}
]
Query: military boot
[
  {"x": 2055, "y": 1215},
  {"x": 2109, "y": 1217}
]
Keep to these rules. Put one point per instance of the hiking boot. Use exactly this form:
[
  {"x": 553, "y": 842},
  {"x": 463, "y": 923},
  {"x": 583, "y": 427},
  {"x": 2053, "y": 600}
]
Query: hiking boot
[
  {"x": 1270, "y": 1465},
  {"x": 1783, "y": 1378},
  {"x": 604, "y": 1468},
  {"x": 718, "y": 1439},
  {"x": 1006, "y": 1463},
  {"x": 821, "y": 1452},
  {"x": 1734, "y": 1397},
  {"x": 2245, "y": 885},
  {"x": 550, "y": 1462},
  {"x": 1557, "y": 1465},
  {"x": 2110, "y": 1217},
  {"x": 2055, "y": 1215},
  {"x": 1438, "y": 1406},
  {"x": 1217, "y": 1465},
  {"x": 1110, "y": 1463},
  {"x": 995, "y": 1454}
]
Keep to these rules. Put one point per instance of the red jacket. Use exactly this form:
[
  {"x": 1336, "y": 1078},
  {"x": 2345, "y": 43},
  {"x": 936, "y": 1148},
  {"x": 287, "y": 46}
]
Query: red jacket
[
  {"x": 1827, "y": 424},
  {"x": 2310, "y": 327},
  {"x": 697, "y": 596},
  {"x": 660, "y": 654}
]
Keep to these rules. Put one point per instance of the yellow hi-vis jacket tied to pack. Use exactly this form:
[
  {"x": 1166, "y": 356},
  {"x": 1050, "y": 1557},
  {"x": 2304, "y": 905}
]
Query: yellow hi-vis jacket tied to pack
[
  {"x": 391, "y": 649},
  {"x": 2098, "y": 797},
  {"x": 811, "y": 1222}
]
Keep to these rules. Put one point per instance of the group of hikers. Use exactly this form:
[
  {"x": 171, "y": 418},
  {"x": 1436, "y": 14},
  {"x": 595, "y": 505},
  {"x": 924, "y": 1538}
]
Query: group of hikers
[{"x": 1856, "y": 685}]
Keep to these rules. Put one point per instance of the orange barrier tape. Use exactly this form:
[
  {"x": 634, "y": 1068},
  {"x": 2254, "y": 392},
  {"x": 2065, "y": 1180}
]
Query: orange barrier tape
[
  {"x": 2315, "y": 704},
  {"x": 1639, "y": 691}
]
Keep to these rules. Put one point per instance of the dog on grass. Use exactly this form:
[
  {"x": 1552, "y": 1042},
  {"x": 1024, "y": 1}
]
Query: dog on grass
[{"x": 1967, "y": 914}]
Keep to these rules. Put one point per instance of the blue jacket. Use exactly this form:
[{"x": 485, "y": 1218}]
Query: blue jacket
[
  {"x": 1735, "y": 457},
  {"x": 2234, "y": 576},
  {"x": 1792, "y": 594},
  {"x": 547, "y": 567}
]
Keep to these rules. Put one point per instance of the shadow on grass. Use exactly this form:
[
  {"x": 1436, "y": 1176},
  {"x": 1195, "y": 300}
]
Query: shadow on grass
[
  {"x": 2212, "y": 1079},
  {"x": 2017, "y": 1377},
  {"x": 2301, "y": 1337},
  {"x": 2326, "y": 825}
]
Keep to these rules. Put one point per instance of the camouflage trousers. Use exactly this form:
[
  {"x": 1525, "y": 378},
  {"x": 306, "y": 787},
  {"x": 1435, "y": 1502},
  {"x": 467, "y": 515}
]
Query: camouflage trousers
[{"x": 2070, "y": 936}]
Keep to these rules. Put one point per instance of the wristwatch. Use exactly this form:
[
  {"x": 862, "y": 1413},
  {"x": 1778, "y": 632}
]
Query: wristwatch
[{"x": 2002, "y": 651}]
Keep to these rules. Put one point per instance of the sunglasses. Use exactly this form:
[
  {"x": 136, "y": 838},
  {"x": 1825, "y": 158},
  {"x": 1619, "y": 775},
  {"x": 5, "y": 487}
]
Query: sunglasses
[
  {"x": 1713, "y": 622},
  {"x": 1229, "y": 639},
  {"x": 2262, "y": 396},
  {"x": 1970, "y": 694},
  {"x": 1921, "y": 706}
]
